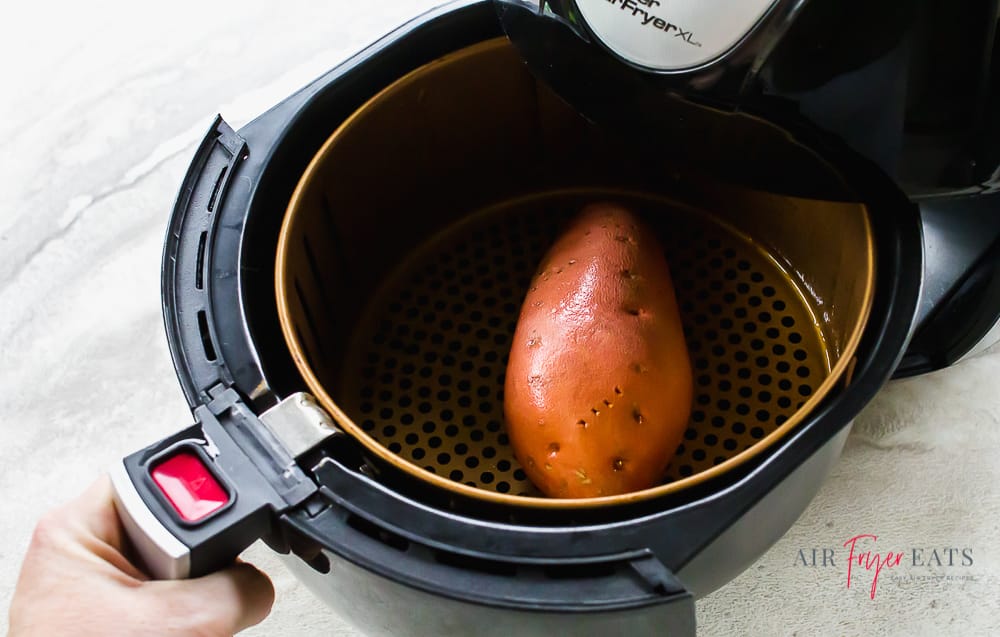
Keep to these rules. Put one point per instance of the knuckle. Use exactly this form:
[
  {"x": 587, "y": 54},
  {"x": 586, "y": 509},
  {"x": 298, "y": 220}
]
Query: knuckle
[
  {"x": 188, "y": 612},
  {"x": 47, "y": 531}
]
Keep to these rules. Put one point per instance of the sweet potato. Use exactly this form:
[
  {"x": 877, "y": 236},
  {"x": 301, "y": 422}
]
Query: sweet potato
[{"x": 598, "y": 387}]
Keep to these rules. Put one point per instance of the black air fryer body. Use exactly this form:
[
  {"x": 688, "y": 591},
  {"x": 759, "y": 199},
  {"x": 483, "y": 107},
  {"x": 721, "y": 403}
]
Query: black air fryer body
[{"x": 857, "y": 87}]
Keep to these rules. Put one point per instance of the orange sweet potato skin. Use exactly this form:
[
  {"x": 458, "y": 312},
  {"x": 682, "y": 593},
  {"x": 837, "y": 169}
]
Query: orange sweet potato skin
[{"x": 598, "y": 387}]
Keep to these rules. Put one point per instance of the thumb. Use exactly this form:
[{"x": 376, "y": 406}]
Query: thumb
[{"x": 224, "y": 602}]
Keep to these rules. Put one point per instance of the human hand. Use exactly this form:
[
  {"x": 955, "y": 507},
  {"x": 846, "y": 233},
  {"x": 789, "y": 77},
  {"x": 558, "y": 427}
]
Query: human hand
[{"x": 76, "y": 580}]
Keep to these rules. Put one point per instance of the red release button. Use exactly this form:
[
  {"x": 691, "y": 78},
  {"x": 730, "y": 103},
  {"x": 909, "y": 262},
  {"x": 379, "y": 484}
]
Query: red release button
[{"x": 190, "y": 486}]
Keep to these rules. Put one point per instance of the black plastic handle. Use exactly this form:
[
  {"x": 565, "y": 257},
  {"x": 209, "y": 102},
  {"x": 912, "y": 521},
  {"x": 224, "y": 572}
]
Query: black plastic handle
[
  {"x": 170, "y": 546},
  {"x": 228, "y": 444}
]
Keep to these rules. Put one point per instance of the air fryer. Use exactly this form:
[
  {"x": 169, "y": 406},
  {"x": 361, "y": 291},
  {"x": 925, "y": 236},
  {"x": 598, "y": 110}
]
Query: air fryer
[{"x": 342, "y": 278}]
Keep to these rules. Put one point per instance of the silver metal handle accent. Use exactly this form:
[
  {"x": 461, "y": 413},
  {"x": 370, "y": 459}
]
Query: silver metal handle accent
[
  {"x": 163, "y": 555},
  {"x": 299, "y": 423}
]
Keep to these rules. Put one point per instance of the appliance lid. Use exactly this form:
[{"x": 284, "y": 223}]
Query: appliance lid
[{"x": 676, "y": 36}]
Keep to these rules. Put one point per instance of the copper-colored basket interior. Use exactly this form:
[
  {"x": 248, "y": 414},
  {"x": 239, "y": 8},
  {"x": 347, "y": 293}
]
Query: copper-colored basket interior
[{"x": 410, "y": 241}]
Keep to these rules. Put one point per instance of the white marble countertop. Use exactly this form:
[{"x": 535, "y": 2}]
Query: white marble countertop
[{"x": 102, "y": 107}]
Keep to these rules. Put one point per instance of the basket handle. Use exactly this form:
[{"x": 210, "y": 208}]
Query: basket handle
[{"x": 190, "y": 503}]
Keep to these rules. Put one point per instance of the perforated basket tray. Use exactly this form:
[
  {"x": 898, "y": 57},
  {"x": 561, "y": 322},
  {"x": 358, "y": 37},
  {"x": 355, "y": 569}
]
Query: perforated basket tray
[{"x": 399, "y": 284}]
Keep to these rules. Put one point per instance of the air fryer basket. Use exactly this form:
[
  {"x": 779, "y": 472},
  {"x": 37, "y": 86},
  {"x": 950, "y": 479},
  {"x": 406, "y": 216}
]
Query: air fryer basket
[{"x": 413, "y": 235}]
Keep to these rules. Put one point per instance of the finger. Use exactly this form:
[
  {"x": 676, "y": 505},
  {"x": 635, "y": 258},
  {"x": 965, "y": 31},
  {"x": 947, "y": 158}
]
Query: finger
[
  {"x": 227, "y": 601},
  {"x": 93, "y": 520},
  {"x": 94, "y": 509}
]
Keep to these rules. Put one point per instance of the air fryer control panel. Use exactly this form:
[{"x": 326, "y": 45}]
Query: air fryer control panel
[{"x": 672, "y": 35}]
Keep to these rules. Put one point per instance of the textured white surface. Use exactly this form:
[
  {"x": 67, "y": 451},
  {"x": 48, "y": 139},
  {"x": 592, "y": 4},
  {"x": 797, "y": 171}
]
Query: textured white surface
[{"x": 102, "y": 106}]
